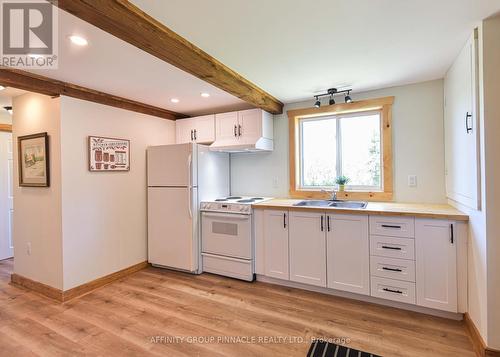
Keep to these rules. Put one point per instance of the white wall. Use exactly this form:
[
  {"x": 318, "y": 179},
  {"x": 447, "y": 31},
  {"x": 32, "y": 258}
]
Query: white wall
[
  {"x": 491, "y": 90},
  {"x": 104, "y": 214},
  {"x": 5, "y": 117},
  {"x": 37, "y": 210},
  {"x": 418, "y": 148}
]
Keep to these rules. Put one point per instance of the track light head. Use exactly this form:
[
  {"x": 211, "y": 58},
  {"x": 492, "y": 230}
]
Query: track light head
[
  {"x": 318, "y": 103},
  {"x": 332, "y": 100},
  {"x": 348, "y": 98}
]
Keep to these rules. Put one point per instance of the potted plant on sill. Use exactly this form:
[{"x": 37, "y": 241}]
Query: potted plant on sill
[{"x": 341, "y": 181}]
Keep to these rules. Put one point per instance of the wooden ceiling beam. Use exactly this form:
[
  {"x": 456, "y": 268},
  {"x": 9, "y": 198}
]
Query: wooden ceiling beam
[
  {"x": 127, "y": 22},
  {"x": 10, "y": 77}
]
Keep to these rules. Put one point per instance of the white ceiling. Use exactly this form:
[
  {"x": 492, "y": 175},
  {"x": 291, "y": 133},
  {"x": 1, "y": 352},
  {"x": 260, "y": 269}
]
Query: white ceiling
[
  {"x": 113, "y": 66},
  {"x": 7, "y": 94},
  {"x": 294, "y": 48}
]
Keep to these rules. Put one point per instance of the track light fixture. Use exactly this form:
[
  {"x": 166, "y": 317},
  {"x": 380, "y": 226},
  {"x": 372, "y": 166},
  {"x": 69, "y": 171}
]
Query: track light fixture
[
  {"x": 332, "y": 92},
  {"x": 348, "y": 98},
  {"x": 318, "y": 103}
]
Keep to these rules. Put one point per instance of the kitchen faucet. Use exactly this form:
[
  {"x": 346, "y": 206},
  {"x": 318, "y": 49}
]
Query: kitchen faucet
[{"x": 333, "y": 192}]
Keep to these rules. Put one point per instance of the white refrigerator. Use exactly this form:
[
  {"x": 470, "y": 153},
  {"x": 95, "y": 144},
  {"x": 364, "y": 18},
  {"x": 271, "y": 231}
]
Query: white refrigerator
[{"x": 180, "y": 176}]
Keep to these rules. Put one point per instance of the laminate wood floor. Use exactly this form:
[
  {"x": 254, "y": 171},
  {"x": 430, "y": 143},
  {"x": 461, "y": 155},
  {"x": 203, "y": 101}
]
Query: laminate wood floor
[{"x": 156, "y": 312}]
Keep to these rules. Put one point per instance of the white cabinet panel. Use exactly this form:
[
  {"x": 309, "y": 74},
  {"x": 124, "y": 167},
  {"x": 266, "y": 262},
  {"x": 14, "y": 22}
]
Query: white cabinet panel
[
  {"x": 461, "y": 128},
  {"x": 399, "y": 269},
  {"x": 276, "y": 244},
  {"x": 250, "y": 124},
  {"x": 183, "y": 131},
  {"x": 436, "y": 264},
  {"x": 348, "y": 258},
  {"x": 307, "y": 237},
  {"x": 391, "y": 289},
  {"x": 226, "y": 126},
  {"x": 204, "y": 129},
  {"x": 198, "y": 129},
  {"x": 392, "y": 226},
  {"x": 392, "y": 247}
]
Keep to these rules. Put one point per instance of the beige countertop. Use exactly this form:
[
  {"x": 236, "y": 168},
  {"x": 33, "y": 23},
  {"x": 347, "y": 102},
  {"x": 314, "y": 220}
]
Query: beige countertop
[{"x": 375, "y": 208}]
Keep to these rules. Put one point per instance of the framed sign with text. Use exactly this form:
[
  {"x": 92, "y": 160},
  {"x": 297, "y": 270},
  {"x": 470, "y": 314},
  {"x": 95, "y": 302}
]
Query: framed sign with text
[{"x": 108, "y": 154}]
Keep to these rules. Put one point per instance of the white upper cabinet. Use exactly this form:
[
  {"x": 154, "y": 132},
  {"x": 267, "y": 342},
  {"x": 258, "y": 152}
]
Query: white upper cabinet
[
  {"x": 436, "y": 264},
  {"x": 276, "y": 244},
  {"x": 246, "y": 130},
  {"x": 183, "y": 131},
  {"x": 307, "y": 237},
  {"x": 348, "y": 253},
  {"x": 200, "y": 130},
  {"x": 462, "y": 128},
  {"x": 226, "y": 126}
]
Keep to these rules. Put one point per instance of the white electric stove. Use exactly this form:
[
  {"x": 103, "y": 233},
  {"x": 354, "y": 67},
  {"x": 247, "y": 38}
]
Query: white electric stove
[{"x": 227, "y": 239}]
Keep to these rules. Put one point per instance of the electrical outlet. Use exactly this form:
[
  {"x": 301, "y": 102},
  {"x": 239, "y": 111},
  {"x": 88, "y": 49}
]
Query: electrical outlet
[
  {"x": 28, "y": 248},
  {"x": 412, "y": 180}
]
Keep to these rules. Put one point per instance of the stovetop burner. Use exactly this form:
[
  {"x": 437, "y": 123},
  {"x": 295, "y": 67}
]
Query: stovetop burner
[
  {"x": 220, "y": 199},
  {"x": 247, "y": 200},
  {"x": 257, "y": 198},
  {"x": 234, "y": 198}
]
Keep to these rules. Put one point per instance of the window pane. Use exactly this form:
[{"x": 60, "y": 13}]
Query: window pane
[
  {"x": 361, "y": 150},
  {"x": 319, "y": 157}
]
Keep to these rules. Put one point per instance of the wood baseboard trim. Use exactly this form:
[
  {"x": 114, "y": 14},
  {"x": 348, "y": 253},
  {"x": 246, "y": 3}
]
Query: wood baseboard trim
[
  {"x": 36, "y": 286},
  {"x": 77, "y": 291},
  {"x": 94, "y": 284},
  {"x": 477, "y": 340}
]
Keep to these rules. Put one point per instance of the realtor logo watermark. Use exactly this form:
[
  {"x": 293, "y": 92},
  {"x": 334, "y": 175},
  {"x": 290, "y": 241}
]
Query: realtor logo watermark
[{"x": 29, "y": 34}]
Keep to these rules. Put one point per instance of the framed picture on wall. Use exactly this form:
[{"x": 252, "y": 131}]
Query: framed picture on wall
[
  {"x": 108, "y": 154},
  {"x": 33, "y": 155}
]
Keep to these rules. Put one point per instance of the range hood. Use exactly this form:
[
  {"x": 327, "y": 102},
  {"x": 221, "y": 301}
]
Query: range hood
[{"x": 251, "y": 144}]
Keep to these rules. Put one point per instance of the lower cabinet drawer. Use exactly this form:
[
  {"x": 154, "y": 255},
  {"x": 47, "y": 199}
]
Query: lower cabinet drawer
[
  {"x": 390, "y": 289},
  {"x": 391, "y": 268},
  {"x": 392, "y": 247},
  {"x": 232, "y": 267}
]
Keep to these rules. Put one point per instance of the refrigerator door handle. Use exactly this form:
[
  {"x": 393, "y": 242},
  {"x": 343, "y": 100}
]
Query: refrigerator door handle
[{"x": 190, "y": 188}]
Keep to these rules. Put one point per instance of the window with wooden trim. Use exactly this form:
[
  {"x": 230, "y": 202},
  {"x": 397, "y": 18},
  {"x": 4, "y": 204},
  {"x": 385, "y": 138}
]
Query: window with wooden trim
[{"x": 352, "y": 140}]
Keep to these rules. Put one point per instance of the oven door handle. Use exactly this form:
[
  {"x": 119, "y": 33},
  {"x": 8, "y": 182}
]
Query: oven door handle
[{"x": 238, "y": 216}]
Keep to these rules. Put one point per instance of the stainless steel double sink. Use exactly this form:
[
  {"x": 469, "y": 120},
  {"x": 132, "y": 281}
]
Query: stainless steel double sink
[{"x": 331, "y": 203}]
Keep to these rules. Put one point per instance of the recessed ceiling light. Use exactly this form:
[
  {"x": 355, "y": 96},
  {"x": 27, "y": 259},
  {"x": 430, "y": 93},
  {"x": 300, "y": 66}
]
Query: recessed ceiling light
[
  {"x": 78, "y": 40},
  {"x": 2, "y": 87},
  {"x": 205, "y": 95},
  {"x": 175, "y": 100}
]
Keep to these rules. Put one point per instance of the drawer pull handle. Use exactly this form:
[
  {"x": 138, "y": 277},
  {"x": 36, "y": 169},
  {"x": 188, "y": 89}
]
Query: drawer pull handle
[
  {"x": 393, "y": 248},
  {"x": 392, "y": 269},
  {"x": 390, "y": 226},
  {"x": 393, "y": 291}
]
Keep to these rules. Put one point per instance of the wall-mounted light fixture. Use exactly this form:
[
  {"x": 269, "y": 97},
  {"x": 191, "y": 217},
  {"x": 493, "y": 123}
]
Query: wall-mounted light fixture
[
  {"x": 332, "y": 92},
  {"x": 9, "y": 109}
]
